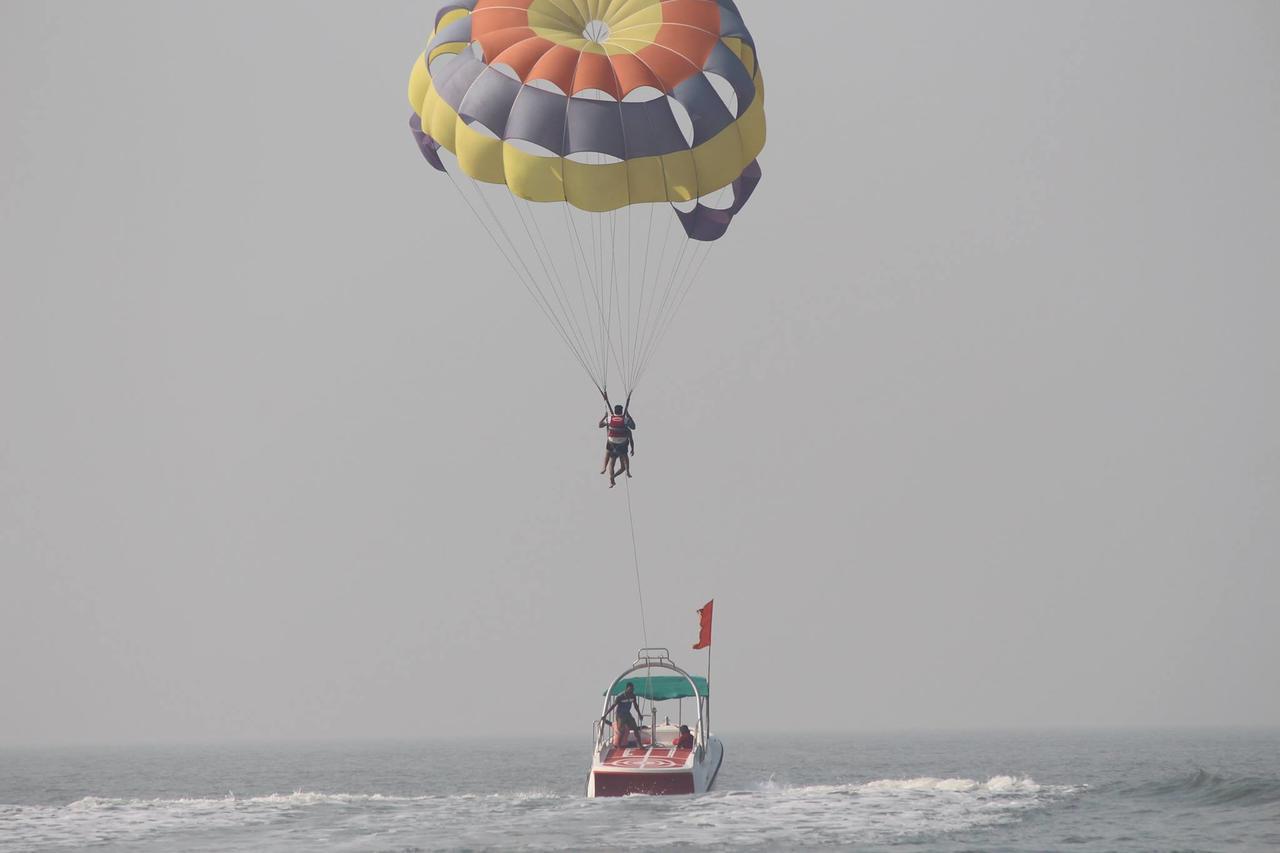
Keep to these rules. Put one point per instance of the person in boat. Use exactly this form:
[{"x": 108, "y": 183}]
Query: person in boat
[
  {"x": 684, "y": 740},
  {"x": 621, "y": 439},
  {"x": 626, "y": 722}
]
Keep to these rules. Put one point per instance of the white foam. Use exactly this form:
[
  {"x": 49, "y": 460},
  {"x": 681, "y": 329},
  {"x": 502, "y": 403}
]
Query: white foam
[
  {"x": 772, "y": 814},
  {"x": 297, "y": 798},
  {"x": 994, "y": 785}
]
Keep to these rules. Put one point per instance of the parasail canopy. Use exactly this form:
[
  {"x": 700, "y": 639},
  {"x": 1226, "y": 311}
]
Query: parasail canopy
[{"x": 605, "y": 107}]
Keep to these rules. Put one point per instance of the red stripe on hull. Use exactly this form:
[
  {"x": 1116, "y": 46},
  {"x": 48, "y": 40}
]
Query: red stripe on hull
[{"x": 621, "y": 784}]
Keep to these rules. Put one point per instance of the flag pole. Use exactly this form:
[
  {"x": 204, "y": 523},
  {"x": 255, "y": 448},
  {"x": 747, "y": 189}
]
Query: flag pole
[
  {"x": 704, "y": 642},
  {"x": 708, "y": 689}
]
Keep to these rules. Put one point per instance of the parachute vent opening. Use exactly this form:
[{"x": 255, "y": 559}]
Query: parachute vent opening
[
  {"x": 595, "y": 95},
  {"x": 721, "y": 199},
  {"x": 642, "y": 95},
  {"x": 440, "y": 63},
  {"x": 683, "y": 121},
  {"x": 545, "y": 85},
  {"x": 725, "y": 90},
  {"x": 505, "y": 70},
  {"x": 478, "y": 126},
  {"x": 533, "y": 148},
  {"x": 596, "y": 31},
  {"x": 593, "y": 158}
]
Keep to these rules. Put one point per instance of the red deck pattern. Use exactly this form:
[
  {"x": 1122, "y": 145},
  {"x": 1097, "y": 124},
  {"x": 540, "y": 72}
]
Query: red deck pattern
[{"x": 662, "y": 758}]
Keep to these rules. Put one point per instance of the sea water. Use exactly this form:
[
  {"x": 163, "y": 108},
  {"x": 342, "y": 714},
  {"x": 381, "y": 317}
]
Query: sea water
[{"x": 1012, "y": 791}]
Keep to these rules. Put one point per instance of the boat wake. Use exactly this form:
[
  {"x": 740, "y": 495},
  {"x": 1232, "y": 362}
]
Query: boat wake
[
  {"x": 883, "y": 811},
  {"x": 769, "y": 815},
  {"x": 994, "y": 785}
]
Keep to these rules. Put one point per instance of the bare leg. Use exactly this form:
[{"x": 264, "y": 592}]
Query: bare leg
[
  {"x": 605, "y": 467},
  {"x": 626, "y": 465},
  {"x": 613, "y": 473}
]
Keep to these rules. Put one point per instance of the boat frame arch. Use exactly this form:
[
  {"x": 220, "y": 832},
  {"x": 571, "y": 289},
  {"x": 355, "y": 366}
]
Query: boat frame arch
[{"x": 660, "y": 658}]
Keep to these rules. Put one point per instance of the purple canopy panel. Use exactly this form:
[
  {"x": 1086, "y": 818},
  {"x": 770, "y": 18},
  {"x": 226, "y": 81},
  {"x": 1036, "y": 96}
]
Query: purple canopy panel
[
  {"x": 467, "y": 5},
  {"x": 428, "y": 146},
  {"x": 709, "y": 223}
]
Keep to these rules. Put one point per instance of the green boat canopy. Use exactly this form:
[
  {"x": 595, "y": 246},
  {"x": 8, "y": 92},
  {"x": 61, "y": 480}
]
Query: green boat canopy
[{"x": 657, "y": 688}]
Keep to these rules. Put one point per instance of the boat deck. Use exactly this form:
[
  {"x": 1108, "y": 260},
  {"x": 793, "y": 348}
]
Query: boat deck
[{"x": 648, "y": 758}]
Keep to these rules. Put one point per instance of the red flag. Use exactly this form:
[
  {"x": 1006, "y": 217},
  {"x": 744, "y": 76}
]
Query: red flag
[{"x": 704, "y": 625}]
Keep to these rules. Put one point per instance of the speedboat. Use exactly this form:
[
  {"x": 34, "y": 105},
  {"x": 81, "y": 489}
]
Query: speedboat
[{"x": 657, "y": 764}]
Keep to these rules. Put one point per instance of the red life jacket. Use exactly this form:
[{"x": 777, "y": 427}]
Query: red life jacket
[{"x": 618, "y": 431}]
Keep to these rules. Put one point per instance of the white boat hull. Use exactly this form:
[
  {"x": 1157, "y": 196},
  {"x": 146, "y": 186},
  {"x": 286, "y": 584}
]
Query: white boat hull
[{"x": 654, "y": 771}]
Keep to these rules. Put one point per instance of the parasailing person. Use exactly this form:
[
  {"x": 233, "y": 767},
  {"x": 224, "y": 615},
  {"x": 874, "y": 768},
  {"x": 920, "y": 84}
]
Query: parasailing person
[{"x": 619, "y": 441}]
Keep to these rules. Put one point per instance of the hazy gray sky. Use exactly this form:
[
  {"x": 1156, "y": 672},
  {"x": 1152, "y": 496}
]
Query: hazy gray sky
[{"x": 998, "y": 333}]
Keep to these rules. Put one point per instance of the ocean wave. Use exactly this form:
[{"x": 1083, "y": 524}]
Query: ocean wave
[
  {"x": 136, "y": 821},
  {"x": 1022, "y": 785},
  {"x": 1205, "y": 788},
  {"x": 297, "y": 798}
]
